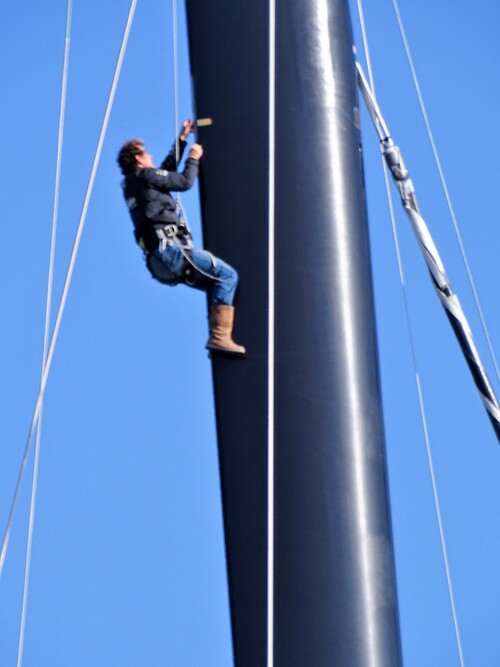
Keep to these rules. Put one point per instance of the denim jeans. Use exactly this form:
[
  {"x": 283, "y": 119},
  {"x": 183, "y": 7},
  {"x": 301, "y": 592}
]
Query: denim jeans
[{"x": 212, "y": 274}]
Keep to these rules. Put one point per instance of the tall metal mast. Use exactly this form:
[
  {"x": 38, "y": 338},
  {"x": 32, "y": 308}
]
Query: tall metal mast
[{"x": 333, "y": 600}]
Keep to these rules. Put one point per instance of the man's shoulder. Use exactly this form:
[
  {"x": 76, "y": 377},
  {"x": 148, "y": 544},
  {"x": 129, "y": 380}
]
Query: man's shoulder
[
  {"x": 148, "y": 173},
  {"x": 138, "y": 176}
]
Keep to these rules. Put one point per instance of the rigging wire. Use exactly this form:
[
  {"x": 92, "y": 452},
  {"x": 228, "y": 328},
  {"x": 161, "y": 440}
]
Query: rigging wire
[
  {"x": 69, "y": 274},
  {"x": 444, "y": 185},
  {"x": 175, "y": 67},
  {"x": 423, "y": 417},
  {"x": 176, "y": 78},
  {"x": 428, "y": 448},
  {"x": 271, "y": 333},
  {"x": 48, "y": 309}
]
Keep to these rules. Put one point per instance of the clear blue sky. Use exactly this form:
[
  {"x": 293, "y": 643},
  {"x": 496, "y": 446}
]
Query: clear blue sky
[{"x": 128, "y": 561}]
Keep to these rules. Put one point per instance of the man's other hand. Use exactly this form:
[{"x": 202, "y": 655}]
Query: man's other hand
[{"x": 196, "y": 151}]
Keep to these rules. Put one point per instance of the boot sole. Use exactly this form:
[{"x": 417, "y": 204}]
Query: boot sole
[{"x": 226, "y": 351}]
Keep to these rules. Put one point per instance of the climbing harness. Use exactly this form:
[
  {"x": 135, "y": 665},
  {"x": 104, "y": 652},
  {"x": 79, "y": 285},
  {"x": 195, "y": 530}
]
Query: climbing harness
[
  {"x": 171, "y": 234},
  {"x": 191, "y": 274}
]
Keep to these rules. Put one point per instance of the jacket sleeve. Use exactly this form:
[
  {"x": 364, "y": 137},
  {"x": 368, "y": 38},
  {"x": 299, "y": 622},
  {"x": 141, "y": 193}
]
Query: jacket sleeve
[
  {"x": 172, "y": 181},
  {"x": 170, "y": 163}
]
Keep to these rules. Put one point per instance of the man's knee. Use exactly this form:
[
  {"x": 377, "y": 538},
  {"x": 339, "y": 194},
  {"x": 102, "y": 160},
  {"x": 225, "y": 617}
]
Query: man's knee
[{"x": 227, "y": 272}]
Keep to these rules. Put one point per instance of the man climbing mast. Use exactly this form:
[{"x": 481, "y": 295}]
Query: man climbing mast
[{"x": 165, "y": 238}]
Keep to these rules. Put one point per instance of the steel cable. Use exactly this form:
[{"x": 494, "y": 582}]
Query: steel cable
[
  {"x": 445, "y": 186},
  {"x": 69, "y": 274},
  {"x": 423, "y": 417},
  {"x": 48, "y": 309}
]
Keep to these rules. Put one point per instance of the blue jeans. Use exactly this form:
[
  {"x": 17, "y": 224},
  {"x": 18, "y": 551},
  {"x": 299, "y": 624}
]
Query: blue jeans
[{"x": 212, "y": 274}]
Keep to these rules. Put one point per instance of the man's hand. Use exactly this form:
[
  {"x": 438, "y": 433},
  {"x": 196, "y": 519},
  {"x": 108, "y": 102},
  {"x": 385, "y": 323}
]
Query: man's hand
[
  {"x": 187, "y": 126},
  {"x": 196, "y": 151}
]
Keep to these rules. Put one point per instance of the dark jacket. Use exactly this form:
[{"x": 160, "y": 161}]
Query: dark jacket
[{"x": 147, "y": 194}]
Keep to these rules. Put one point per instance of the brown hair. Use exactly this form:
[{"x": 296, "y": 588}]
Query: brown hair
[{"x": 128, "y": 153}]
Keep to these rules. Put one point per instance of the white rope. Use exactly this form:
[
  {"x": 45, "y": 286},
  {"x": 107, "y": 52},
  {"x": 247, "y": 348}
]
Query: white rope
[
  {"x": 367, "y": 51},
  {"x": 445, "y": 186},
  {"x": 176, "y": 79},
  {"x": 271, "y": 333},
  {"x": 423, "y": 417},
  {"x": 48, "y": 309},
  {"x": 62, "y": 303},
  {"x": 175, "y": 66}
]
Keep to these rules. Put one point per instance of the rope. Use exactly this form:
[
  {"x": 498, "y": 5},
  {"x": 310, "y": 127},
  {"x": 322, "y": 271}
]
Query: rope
[
  {"x": 445, "y": 186},
  {"x": 48, "y": 309},
  {"x": 423, "y": 417},
  {"x": 62, "y": 303},
  {"x": 176, "y": 81},
  {"x": 175, "y": 66},
  {"x": 367, "y": 50},
  {"x": 271, "y": 329}
]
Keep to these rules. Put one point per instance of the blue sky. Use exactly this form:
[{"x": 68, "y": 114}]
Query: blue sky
[{"x": 128, "y": 559}]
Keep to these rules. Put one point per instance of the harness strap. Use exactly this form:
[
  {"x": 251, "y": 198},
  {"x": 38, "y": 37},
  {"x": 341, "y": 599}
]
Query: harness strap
[
  {"x": 172, "y": 233},
  {"x": 192, "y": 269},
  {"x": 192, "y": 274}
]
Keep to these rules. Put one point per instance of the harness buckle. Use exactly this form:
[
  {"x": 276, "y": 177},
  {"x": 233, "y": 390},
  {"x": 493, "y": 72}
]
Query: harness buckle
[{"x": 167, "y": 235}]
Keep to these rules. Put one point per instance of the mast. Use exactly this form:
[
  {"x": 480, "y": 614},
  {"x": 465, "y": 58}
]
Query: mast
[{"x": 334, "y": 596}]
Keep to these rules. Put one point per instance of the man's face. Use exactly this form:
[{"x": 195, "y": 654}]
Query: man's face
[{"x": 145, "y": 160}]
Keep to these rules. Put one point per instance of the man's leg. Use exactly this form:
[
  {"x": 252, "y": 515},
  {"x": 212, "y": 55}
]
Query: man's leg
[
  {"x": 221, "y": 295},
  {"x": 166, "y": 265},
  {"x": 222, "y": 289}
]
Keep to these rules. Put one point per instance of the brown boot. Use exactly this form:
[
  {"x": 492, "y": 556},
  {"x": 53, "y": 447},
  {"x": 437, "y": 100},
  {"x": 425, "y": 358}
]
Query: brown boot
[{"x": 221, "y": 327}]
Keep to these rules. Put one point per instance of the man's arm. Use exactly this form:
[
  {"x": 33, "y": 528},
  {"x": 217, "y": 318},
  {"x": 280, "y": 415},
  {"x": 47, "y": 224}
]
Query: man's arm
[
  {"x": 173, "y": 181},
  {"x": 173, "y": 158}
]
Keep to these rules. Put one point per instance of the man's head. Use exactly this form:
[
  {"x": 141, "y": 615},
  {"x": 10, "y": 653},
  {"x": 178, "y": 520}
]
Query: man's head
[{"x": 133, "y": 155}]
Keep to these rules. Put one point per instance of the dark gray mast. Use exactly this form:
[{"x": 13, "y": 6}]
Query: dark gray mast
[{"x": 333, "y": 602}]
